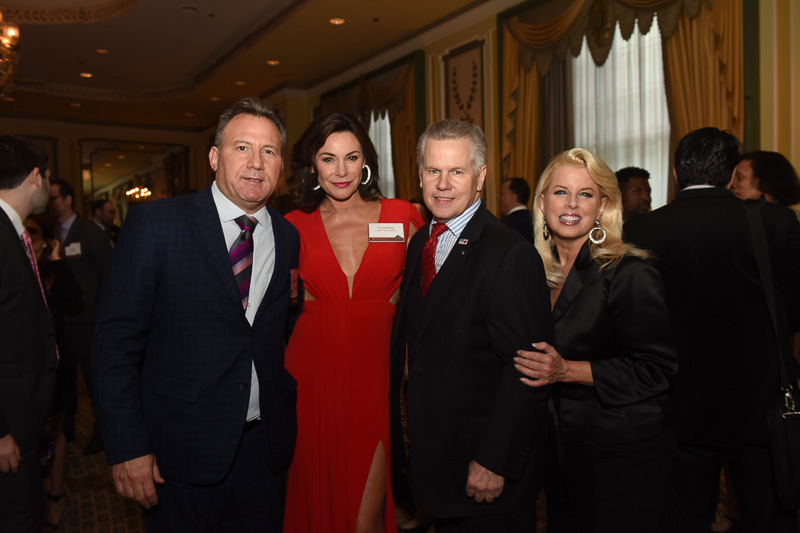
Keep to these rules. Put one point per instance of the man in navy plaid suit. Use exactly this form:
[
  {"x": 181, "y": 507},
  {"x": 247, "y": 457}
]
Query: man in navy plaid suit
[{"x": 196, "y": 409}]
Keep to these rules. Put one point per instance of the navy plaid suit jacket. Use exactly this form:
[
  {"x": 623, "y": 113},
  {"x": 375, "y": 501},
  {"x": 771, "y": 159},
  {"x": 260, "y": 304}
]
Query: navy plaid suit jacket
[{"x": 173, "y": 349}]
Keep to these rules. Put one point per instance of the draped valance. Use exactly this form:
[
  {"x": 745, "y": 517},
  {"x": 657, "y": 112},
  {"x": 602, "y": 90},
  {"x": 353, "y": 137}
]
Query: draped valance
[
  {"x": 565, "y": 25},
  {"x": 703, "y": 63},
  {"x": 380, "y": 93}
]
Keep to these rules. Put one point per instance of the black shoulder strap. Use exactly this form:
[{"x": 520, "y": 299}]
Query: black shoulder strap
[{"x": 759, "y": 235}]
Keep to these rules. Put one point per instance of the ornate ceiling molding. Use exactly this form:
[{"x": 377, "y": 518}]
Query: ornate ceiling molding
[
  {"x": 68, "y": 15},
  {"x": 111, "y": 95}
]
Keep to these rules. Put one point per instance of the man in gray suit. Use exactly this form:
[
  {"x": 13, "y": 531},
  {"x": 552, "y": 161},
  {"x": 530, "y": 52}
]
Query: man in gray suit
[{"x": 87, "y": 250}]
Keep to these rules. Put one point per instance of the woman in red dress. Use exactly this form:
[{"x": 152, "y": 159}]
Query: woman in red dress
[{"x": 353, "y": 245}]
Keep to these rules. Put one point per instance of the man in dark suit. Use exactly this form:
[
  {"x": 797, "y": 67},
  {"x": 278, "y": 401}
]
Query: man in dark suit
[
  {"x": 634, "y": 185},
  {"x": 27, "y": 338},
  {"x": 513, "y": 202},
  {"x": 87, "y": 250},
  {"x": 727, "y": 355},
  {"x": 103, "y": 215},
  {"x": 192, "y": 393},
  {"x": 476, "y": 431}
]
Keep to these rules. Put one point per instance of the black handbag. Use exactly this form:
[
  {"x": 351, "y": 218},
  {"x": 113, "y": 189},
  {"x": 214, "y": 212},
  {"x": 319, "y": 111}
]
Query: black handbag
[{"x": 783, "y": 416}]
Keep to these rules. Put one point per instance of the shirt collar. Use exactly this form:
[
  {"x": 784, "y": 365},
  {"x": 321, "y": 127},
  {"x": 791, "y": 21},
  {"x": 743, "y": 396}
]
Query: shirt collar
[
  {"x": 68, "y": 223},
  {"x": 16, "y": 220},
  {"x": 701, "y": 186},
  {"x": 229, "y": 211},
  {"x": 456, "y": 225},
  {"x": 515, "y": 209}
]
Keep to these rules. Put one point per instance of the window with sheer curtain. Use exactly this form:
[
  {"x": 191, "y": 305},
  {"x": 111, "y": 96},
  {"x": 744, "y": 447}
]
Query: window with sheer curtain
[
  {"x": 620, "y": 109},
  {"x": 380, "y": 132}
]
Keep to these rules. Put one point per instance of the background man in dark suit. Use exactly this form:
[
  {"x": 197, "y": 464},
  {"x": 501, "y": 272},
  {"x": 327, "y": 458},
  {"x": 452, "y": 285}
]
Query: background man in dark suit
[
  {"x": 727, "y": 356},
  {"x": 87, "y": 250},
  {"x": 192, "y": 392},
  {"x": 103, "y": 215},
  {"x": 27, "y": 339},
  {"x": 513, "y": 202},
  {"x": 634, "y": 185},
  {"x": 476, "y": 431}
]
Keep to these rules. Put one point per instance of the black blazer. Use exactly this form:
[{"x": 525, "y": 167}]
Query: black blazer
[
  {"x": 521, "y": 222},
  {"x": 726, "y": 348},
  {"x": 465, "y": 400},
  {"x": 617, "y": 320},
  {"x": 89, "y": 268},
  {"x": 27, "y": 344},
  {"x": 173, "y": 349}
]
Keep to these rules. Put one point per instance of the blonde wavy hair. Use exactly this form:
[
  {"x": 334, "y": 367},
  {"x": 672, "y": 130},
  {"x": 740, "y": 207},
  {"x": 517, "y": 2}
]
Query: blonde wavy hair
[{"x": 613, "y": 249}]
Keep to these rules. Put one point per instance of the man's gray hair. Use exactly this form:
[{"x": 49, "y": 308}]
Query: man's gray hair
[
  {"x": 455, "y": 130},
  {"x": 250, "y": 106}
]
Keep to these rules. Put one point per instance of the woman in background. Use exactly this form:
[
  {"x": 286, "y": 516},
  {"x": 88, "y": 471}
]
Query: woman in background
[
  {"x": 613, "y": 360},
  {"x": 766, "y": 173},
  {"x": 352, "y": 254},
  {"x": 63, "y": 296}
]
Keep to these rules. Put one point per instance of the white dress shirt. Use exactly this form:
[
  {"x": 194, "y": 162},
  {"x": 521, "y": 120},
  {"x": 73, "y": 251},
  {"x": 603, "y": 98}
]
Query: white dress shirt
[{"x": 263, "y": 266}]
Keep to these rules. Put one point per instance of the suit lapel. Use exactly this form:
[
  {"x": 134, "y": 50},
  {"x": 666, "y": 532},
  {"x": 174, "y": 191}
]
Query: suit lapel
[
  {"x": 210, "y": 229},
  {"x": 448, "y": 274},
  {"x": 573, "y": 285},
  {"x": 25, "y": 263}
]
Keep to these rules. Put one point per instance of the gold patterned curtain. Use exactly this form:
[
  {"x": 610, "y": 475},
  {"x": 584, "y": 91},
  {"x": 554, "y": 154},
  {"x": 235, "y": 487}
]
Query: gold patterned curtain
[
  {"x": 392, "y": 92},
  {"x": 704, "y": 73},
  {"x": 703, "y": 58}
]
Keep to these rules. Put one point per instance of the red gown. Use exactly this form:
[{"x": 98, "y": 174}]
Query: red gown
[{"x": 339, "y": 354}]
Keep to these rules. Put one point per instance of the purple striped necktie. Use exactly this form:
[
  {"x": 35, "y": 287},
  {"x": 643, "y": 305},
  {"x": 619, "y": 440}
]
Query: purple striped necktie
[
  {"x": 242, "y": 255},
  {"x": 26, "y": 240}
]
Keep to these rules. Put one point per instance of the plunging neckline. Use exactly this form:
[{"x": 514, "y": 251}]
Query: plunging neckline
[{"x": 336, "y": 259}]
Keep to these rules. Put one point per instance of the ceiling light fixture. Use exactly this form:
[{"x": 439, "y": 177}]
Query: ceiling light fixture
[
  {"x": 9, "y": 59},
  {"x": 74, "y": 104},
  {"x": 214, "y": 98},
  {"x": 239, "y": 83},
  {"x": 101, "y": 51},
  {"x": 273, "y": 62},
  {"x": 86, "y": 74},
  {"x": 336, "y": 21}
]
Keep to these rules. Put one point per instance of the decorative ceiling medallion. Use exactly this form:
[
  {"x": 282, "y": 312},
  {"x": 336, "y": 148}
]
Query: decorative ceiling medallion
[{"x": 68, "y": 15}]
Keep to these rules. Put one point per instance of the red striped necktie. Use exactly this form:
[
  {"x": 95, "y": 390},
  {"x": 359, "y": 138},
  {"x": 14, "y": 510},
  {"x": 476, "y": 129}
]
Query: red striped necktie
[
  {"x": 429, "y": 256},
  {"x": 242, "y": 256},
  {"x": 26, "y": 240}
]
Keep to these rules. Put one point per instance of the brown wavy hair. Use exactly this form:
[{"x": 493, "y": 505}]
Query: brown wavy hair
[{"x": 302, "y": 180}]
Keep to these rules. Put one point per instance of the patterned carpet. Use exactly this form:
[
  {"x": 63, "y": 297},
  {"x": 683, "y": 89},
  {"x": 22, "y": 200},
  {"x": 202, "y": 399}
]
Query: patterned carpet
[
  {"x": 92, "y": 503},
  {"x": 93, "y": 506}
]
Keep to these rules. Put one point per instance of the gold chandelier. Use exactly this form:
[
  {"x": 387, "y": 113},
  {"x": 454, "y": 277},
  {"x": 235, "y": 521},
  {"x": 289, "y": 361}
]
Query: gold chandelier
[{"x": 9, "y": 59}]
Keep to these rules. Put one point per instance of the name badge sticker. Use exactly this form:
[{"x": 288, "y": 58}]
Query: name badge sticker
[
  {"x": 386, "y": 232},
  {"x": 73, "y": 250}
]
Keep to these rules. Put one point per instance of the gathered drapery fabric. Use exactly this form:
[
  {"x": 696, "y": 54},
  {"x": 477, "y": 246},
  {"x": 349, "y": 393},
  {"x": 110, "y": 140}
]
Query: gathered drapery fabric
[{"x": 703, "y": 63}]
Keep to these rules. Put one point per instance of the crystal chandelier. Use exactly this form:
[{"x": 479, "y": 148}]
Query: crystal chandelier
[{"x": 9, "y": 59}]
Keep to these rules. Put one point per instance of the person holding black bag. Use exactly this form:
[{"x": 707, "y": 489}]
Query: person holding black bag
[{"x": 727, "y": 350}]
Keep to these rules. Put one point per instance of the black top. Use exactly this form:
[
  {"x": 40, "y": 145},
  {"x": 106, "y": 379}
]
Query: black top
[{"x": 618, "y": 321}]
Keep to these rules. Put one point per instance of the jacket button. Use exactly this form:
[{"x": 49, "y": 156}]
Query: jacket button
[{"x": 242, "y": 385}]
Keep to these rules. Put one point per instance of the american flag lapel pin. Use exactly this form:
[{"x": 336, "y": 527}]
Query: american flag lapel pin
[{"x": 463, "y": 241}]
